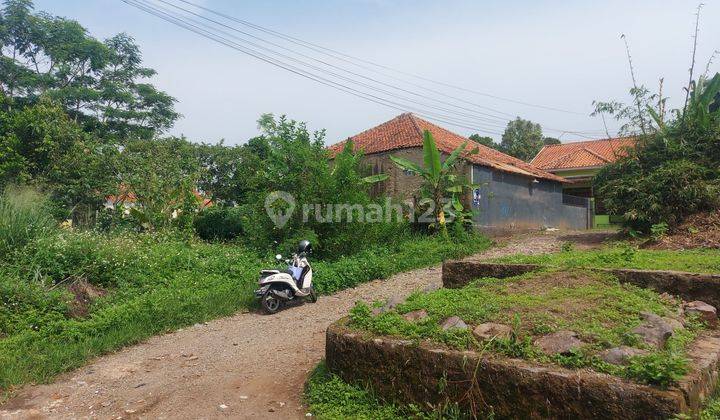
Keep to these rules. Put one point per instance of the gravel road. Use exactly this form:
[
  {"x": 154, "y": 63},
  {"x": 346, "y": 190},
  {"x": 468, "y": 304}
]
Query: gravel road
[{"x": 248, "y": 365}]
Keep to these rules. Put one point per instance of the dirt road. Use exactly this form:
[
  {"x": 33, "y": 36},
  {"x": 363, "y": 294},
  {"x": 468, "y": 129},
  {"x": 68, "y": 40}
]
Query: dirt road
[{"x": 245, "y": 366}]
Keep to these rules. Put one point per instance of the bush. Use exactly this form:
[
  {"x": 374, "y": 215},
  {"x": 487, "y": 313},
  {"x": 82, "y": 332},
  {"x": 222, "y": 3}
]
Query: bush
[
  {"x": 675, "y": 169},
  {"x": 155, "y": 283},
  {"x": 220, "y": 223},
  {"x": 666, "y": 193},
  {"x": 24, "y": 217}
]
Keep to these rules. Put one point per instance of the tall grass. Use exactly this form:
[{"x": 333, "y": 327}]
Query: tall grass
[{"x": 24, "y": 217}]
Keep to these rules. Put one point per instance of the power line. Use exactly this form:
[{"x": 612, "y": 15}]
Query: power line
[
  {"x": 454, "y": 117},
  {"x": 494, "y": 122},
  {"x": 503, "y": 118},
  {"x": 302, "y": 73},
  {"x": 348, "y": 57},
  {"x": 340, "y": 56}
]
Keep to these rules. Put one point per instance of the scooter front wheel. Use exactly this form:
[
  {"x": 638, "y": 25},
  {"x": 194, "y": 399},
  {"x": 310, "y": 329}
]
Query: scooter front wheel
[
  {"x": 313, "y": 296},
  {"x": 270, "y": 302}
]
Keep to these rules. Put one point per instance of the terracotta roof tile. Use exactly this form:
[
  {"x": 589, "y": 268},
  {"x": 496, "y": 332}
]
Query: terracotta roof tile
[
  {"x": 582, "y": 154},
  {"x": 406, "y": 130}
]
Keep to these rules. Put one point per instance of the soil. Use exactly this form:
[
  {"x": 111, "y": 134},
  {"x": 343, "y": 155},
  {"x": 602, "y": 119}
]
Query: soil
[
  {"x": 84, "y": 294},
  {"x": 248, "y": 365},
  {"x": 700, "y": 230}
]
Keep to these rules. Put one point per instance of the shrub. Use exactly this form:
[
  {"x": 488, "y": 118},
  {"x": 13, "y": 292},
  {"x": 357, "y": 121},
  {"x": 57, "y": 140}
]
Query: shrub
[
  {"x": 220, "y": 223},
  {"x": 24, "y": 217},
  {"x": 674, "y": 170}
]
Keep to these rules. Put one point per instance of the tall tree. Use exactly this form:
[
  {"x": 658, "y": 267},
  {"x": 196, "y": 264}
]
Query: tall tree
[
  {"x": 100, "y": 84},
  {"x": 522, "y": 139},
  {"x": 485, "y": 141}
]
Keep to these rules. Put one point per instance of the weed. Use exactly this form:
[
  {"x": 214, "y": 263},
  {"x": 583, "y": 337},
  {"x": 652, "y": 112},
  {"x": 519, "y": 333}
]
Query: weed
[
  {"x": 597, "y": 307},
  {"x": 626, "y": 256},
  {"x": 155, "y": 283}
]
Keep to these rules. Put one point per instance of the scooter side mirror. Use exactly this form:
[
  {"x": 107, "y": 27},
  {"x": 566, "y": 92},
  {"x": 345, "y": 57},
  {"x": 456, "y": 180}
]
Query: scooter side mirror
[{"x": 278, "y": 257}]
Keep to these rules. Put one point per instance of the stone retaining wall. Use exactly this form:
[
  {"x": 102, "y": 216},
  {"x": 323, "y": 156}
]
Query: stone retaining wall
[
  {"x": 406, "y": 372},
  {"x": 688, "y": 286}
]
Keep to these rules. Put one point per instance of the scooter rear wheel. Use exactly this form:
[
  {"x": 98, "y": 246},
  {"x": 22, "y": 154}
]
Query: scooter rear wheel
[{"x": 270, "y": 302}]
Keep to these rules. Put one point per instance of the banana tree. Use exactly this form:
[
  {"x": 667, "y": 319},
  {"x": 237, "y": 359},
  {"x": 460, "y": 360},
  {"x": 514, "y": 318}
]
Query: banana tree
[{"x": 438, "y": 176}]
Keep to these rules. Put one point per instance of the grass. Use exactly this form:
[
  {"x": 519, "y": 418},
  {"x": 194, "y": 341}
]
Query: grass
[
  {"x": 597, "y": 307},
  {"x": 154, "y": 284},
  {"x": 711, "y": 411},
  {"x": 625, "y": 256},
  {"x": 329, "y": 397}
]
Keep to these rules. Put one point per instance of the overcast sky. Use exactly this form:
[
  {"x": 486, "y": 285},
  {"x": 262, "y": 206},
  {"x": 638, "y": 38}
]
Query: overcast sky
[{"x": 557, "y": 54}]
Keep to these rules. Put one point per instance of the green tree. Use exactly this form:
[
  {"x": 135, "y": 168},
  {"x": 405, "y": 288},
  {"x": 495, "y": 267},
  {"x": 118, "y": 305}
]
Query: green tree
[
  {"x": 100, "y": 84},
  {"x": 547, "y": 141},
  {"x": 162, "y": 174},
  {"x": 673, "y": 172},
  {"x": 485, "y": 141},
  {"x": 522, "y": 139},
  {"x": 41, "y": 145},
  {"x": 228, "y": 172}
]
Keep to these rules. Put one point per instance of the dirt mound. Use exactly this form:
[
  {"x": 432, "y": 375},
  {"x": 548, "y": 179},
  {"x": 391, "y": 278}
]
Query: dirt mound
[
  {"x": 700, "y": 230},
  {"x": 84, "y": 294}
]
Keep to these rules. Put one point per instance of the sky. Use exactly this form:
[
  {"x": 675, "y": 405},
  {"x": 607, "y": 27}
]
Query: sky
[{"x": 556, "y": 54}]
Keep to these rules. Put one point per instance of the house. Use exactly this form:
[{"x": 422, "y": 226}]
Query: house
[
  {"x": 580, "y": 162},
  {"x": 513, "y": 194},
  {"x": 126, "y": 200}
]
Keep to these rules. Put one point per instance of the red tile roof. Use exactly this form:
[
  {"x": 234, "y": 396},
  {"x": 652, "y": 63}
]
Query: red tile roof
[
  {"x": 582, "y": 154},
  {"x": 406, "y": 130}
]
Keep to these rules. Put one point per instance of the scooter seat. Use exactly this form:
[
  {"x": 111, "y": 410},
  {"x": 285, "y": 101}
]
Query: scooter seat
[{"x": 268, "y": 272}]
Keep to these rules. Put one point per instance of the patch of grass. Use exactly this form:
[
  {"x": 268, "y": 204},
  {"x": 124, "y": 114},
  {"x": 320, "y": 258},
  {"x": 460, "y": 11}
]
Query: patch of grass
[
  {"x": 329, "y": 397},
  {"x": 625, "y": 256},
  {"x": 711, "y": 411},
  {"x": 597, "y": 307},
  {"x": 155, "y": 283}
]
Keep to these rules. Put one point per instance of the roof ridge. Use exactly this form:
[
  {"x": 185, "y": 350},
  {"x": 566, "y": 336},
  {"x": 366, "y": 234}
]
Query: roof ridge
[
  {"x": 470, "y": 142},
  {"x": 596, "y": 154},
  {"x": 413, "y": 118},
  {"x": 593, "y": 141}
]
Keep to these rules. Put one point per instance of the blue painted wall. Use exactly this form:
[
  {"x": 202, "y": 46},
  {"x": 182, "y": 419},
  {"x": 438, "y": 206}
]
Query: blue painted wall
[{"x": 509, "y": 201}]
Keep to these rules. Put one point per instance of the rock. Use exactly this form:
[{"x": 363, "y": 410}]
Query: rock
[
  {"x": 620, "y": 355},
  {"x": 271, "y": 409},
  {"x": 561, "y": 342},
  {"x": 416, "y": 315},
  {"x": 389, "y": 304},
  {"x": 453, "y": 322},
  {"x": 705, "y": 312},
  {"x": 431, "y": 288},
  {"x": 491, "y": 330},
  {"x": 393, "y": 302},
  {"x": 222, "y": 406},
  {"x": 654, "y": 331},
  {"x": 674, "y": 323}
]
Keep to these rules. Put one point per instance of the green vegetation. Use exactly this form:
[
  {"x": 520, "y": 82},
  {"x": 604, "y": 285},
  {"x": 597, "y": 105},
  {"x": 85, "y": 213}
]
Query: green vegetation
[
  {"x": 712, "y": 409},
  {"x": 673, "y": 171},
  {"x": 146, "y": 284},
  {"x": 625, "y": 256},
  {"x": 596, "y": 307},
  {"x": 329, "y": 397},
  {"x": 441, "y": 184}
]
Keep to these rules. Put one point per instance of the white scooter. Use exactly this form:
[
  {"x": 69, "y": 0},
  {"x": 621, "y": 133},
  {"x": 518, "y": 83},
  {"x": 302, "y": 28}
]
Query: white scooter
[{"x": 279, "y": 287}]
